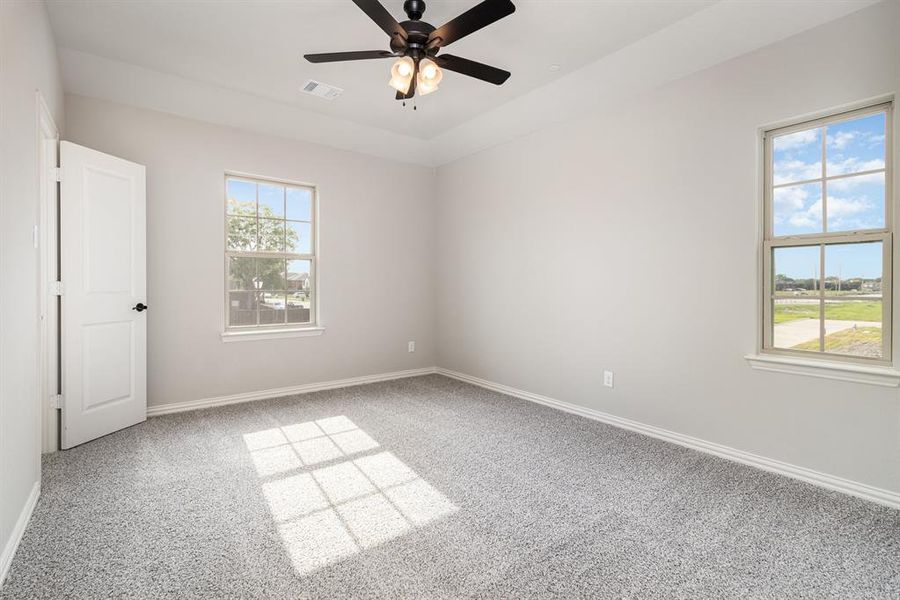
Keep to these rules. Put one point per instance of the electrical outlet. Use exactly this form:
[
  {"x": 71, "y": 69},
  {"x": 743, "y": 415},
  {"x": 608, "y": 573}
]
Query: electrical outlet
[
  {"x": 608, "y": 378},
  {"x": 412, "y": 346}
]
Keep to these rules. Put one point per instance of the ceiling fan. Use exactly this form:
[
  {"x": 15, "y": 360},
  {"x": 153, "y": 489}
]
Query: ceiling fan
[{"x": 416, "y": 44}]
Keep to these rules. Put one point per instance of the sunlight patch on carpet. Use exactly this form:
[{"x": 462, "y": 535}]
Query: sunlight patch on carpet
[{"x": 355, "y": 498}]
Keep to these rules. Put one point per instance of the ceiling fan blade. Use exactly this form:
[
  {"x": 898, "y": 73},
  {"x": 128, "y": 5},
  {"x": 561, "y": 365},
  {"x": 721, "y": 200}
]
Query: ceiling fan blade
[
  {"x": 472, "y": 69},
  {"x": 341, "y": 56},
  {"x": 382, "y": 17},
  {"x": 470, "y": 21}
]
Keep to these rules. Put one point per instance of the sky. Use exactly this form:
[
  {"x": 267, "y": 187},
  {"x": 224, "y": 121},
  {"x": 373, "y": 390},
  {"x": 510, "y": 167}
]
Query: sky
[
  {"x": 857, "y": 202},
  {"x": 294, "y": 204},
  {"x": 847, "y": 261}
]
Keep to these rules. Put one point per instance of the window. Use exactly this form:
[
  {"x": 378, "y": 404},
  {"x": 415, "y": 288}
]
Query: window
[
  {"x": 829, "y": 237},
  {"x": 270, "y": 254}
]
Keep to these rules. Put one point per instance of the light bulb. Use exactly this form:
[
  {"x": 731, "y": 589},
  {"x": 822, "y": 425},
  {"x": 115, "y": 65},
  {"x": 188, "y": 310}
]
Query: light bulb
[
  {"x": 430, "y": 71},
  {"x": 430, "y": 76},
  {"x": 401, "y": 74}
]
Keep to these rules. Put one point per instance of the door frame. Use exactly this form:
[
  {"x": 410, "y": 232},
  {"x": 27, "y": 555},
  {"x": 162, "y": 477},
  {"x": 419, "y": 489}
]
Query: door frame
[{"x": 47, "y": 242}]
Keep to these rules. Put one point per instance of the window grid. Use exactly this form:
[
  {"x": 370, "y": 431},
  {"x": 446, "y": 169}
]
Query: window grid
[
  {"x": 828, "y": 239},
  {"x": 287, "y": 302}
]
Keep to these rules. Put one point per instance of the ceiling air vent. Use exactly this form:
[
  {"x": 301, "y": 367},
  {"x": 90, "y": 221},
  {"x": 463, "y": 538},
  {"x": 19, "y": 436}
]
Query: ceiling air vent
[{"x": 322, "y": 90}]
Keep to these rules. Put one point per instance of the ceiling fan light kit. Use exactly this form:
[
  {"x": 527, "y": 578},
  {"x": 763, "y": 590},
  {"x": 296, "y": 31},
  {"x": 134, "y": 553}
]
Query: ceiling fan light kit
[{"x": 417, "y": 45}]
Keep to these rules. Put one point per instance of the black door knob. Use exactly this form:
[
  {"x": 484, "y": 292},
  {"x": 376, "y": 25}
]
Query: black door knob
[{"x": 140, "y": 307}]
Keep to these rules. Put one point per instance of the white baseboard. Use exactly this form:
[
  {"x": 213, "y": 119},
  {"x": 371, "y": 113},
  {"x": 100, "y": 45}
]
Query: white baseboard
[
  {"x": 15, "y": 536},
  {"x": 831, "y": 482},
  {"x": 176, "y": 407}
]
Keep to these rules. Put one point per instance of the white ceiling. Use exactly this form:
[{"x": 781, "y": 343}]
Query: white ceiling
[
  {"x": 255, "y": 47},
  {"x": 239, "y": 62}
]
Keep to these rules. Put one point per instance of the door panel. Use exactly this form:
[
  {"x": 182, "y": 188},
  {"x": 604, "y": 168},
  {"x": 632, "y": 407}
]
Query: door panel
[
  {"x": 103, "y": 270},
  {"x": 108, "y": 372}
]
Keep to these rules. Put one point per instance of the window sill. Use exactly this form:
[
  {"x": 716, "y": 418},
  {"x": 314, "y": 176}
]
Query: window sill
[
  {"x": 881, "y": 376},
  {"x": 273, "y": 334}
]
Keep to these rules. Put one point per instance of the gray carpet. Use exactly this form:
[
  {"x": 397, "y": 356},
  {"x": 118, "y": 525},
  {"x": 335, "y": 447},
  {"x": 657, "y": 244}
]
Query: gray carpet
[{"x": 430, "y": 488}]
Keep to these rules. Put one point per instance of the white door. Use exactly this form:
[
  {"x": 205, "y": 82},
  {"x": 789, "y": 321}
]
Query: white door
[{"x": 103, "y": 272}]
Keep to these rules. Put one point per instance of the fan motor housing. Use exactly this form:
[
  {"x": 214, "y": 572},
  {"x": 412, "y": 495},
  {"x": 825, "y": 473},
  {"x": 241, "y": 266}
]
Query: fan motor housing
[{"x": 417, "y": 33}]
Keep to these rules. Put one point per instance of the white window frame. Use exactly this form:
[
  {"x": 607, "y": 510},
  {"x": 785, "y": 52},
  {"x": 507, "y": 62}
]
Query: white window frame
[
  {"x": 883, "y": 235},
  {"x": 274, "y": 330}
]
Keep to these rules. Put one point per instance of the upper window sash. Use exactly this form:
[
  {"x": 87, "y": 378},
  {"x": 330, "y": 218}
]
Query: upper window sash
[{"x": 823, "y": 178}]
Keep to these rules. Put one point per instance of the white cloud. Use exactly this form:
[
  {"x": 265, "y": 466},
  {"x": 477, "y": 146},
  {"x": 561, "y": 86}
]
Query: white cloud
[
  {"x": 851, "y": 213},
  {"x": 843, "y": 213},
  {"x": 811, "y": 218},
  {"x": 790, "y": 207},
  {"x": 853, "y": 165},
  {"x": 797, "y": 140},
  {"x": 846, "y": 184},
  {"x": 787, "y": 171},
  {"x": 790, "y": 198},
  {"x": 842, "y": 138},
  {"x": 863, "y": 138},
  {"x": 847, "y": 207}
]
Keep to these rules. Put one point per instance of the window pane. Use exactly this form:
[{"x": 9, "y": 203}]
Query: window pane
[
  {"x": 271, "y": 235},
  {"x": 853, "y": 301},
  {"x": 797, "y": 209},
  {"x": 796, "y": 306},
  {"x": 856, "y": 203},
  {"x": 299, "y": 237},
  {"x": 299, "y": 204},
  {"x": 270, "y": 274},
  {"x": 241, "y": 272},
  {"x": 797, "y": 156},
  {"x": 857, "y": 145},
  {"x": 241, "y": 233},
  {"x": 272, "y": 308},
  {"x": 298, "y": 275},
  {"x": 271, "y": 201},
  {"x": 299, "y": 290},
  {"x": 241, "y": 309},
  {"x": 298, "y": 306},
  {"x": 241, "y": 197}
]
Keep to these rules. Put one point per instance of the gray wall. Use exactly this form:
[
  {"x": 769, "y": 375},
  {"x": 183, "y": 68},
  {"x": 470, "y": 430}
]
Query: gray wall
[
  {"x": 27, "y": 63},
  {"x": 376, "y": 242},
  {"x": 591, "y": 246}
]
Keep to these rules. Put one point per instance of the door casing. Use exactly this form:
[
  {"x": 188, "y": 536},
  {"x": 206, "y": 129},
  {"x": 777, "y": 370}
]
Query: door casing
[{"x": 47, "y": 239}]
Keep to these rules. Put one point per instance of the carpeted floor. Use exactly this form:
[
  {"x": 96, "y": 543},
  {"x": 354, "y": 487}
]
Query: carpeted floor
[{"x": 431, "y": 488}]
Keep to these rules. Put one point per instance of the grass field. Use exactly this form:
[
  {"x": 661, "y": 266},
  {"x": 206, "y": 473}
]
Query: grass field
[
  {"x": 862, "y": 341},
  {"x": 841, "y": 311}
]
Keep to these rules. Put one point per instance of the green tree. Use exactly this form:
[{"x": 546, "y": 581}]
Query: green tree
[{"x": 268, "y": 233}]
